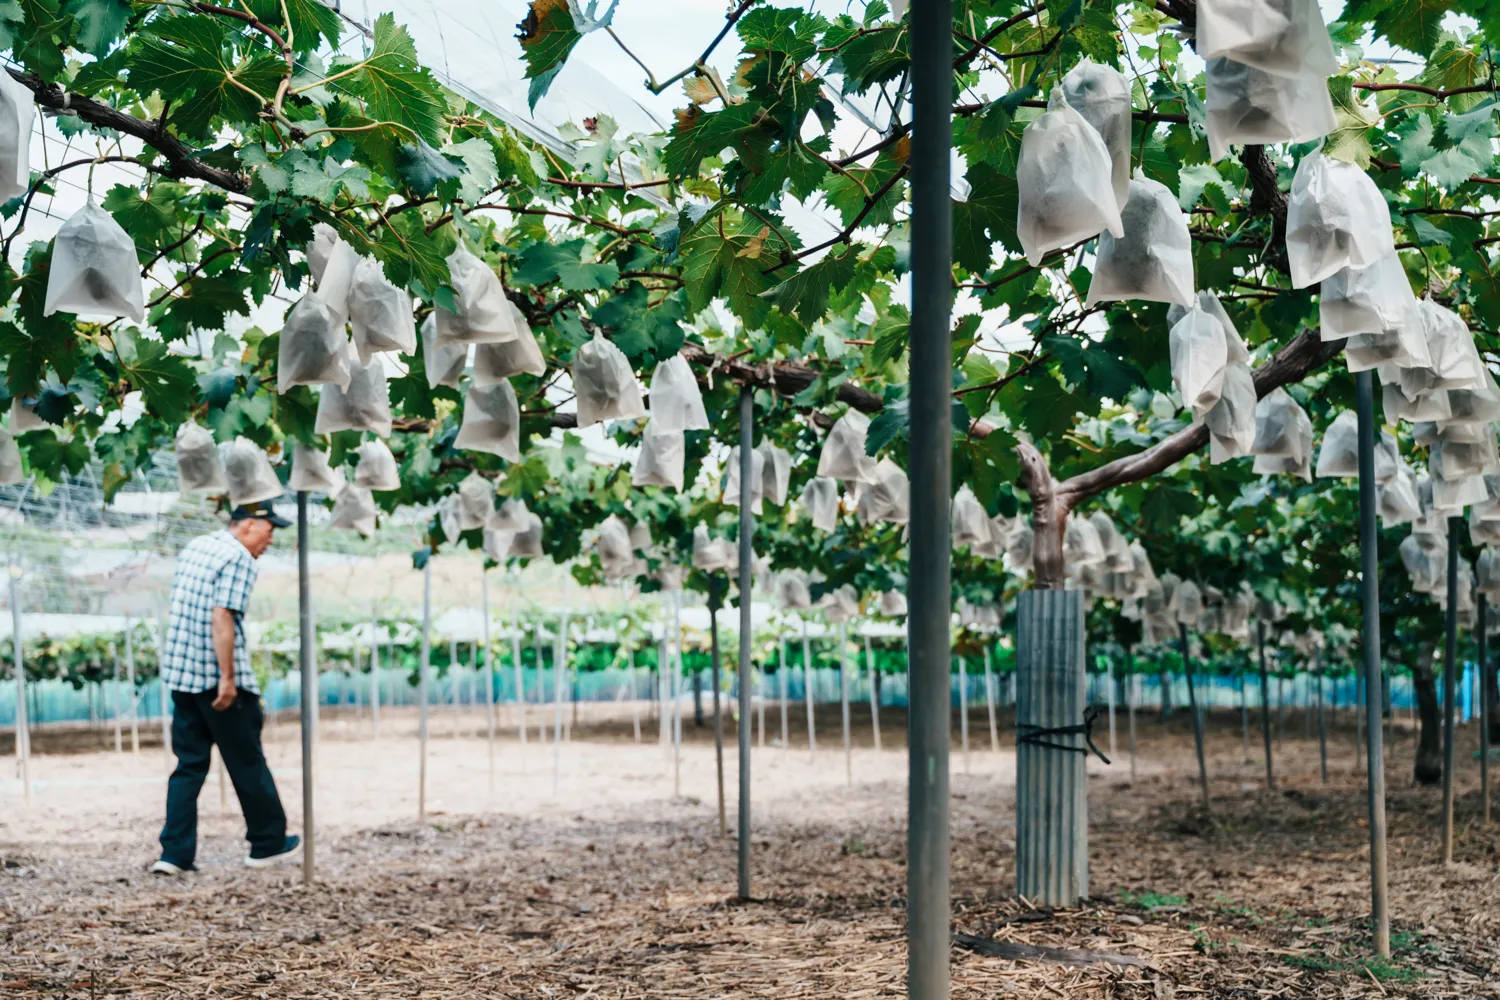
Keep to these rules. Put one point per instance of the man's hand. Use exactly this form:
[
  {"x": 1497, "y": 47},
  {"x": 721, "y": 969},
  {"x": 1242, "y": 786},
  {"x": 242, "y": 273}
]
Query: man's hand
[
  {"x": 227, "y": 693},
  {"x": 223, "y": 633}
]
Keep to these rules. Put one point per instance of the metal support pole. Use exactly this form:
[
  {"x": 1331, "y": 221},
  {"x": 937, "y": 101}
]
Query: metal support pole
[
  {"x": 1485, "y": 710},
  {"x": 1370, "y": 594},
  {"x": 807, "y": 694},
  {"x": 559, "y": 682},
  {"x": 747, "y": 568},
  {"x": 1322, "y": 722},
  {"x": 489, "y": 672},
  {"x": 677, "y": 694},
  {"x": 114, "y": 655},
  {"x": 306, "y": 663},
  {"x": 963, "y": 709},
  {"x": 713, "y": 632},
  {"x": 1450, "y": 688},
  {"x": 1109, "y": 680},
  {"x": 781, "y": 671},
  {"x": 163, "y": 700},
  {"x": 1187, "y": 668},
  {"x": 424, "y": 667},
  {"x": 929, "y": 596},
  {"x": 453, "y": 681},
  {"x": 874, "y": 692},
  {"x": 374, "y": 678},
  {"x": 520, "y": 672},
  {"x": 844, "y": 702},
  {"x": 134, "y": 696},
  {"x": 23, "y": 736},
  {"x": 1265, "y": 701}
]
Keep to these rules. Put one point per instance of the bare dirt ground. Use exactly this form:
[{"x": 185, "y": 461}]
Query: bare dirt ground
[{"x": 612, "y": 886}]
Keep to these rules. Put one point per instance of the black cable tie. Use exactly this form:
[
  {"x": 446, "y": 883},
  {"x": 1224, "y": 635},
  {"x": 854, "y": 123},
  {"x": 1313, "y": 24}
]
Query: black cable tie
[{"x": 1026, "y": 733}]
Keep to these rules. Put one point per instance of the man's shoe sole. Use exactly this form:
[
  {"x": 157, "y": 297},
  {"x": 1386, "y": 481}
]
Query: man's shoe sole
[
  {"x": 167, "y": 868},
  {"x": 274, "y": 859}
]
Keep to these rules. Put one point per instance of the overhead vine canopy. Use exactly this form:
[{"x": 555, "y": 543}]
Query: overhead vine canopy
[{"x": 250, "y": 126}]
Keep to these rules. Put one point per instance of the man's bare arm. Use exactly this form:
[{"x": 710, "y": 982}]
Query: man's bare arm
[{"x": 223, "y": 633}]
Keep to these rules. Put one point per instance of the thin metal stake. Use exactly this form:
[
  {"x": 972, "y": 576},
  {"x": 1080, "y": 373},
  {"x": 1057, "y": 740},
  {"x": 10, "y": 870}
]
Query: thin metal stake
[
  {"x": 807, "y": 692},
  {"x": 1450, "y": 688},
  {"x": 23, "y": 736},
  {"x": 747, "y": 567},
  {"x": 1187, "y": 667},
  {"x": 489, "y": 672},
  {"x": 424, "y": 667},
  {"x": 713, "y": 631},
  {"x": 781, "y": 671},
  {"x": 306, "y": 664},
  {"x": 1265, "y": 701},
  {"x": 844, "y": 702},
  {"x": 1484, "y": 715},
  {"x": 989, "y": 698}
]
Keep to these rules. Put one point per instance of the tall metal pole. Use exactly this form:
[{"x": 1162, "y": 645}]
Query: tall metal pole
[
  {"x": 928, "y": 589},
  {"x": 1484, "y": 715},
  {"x": 559, "y": 680},
  {"x": 1370, "y": 594},
  {"x": 489, "y": 671},
  {"x": 1450, "y": 688},
  {"x": 374, "y": 677},
  {"x": 1187, "y": 668},
  {"x": 424, "y": 667},
  {"x": 713, "y": 635},
  {"x": 844, "y": 702},
  {"x": 309, "y": 688},
  {"x": 1265, "y": 701},
  {"x": 135, "y": 721},
  {"x": 23, "y": 739},
  {"x": 163, "y": 700},
  {"x": 807, "y": 694},
  {"x": 747, "y": 568},
  {"x": 781, "y": 676},
  {"x": 677, "y": 693}
]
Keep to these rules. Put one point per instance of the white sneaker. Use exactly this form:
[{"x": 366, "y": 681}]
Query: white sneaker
[
  {"x": 292, "y": 848},
  {"x": 165, "y": 867}
]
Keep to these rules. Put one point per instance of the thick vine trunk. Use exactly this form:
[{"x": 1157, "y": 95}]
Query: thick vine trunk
[
  {"x": 1429, "y": 762},
  {"x": 1049, "y": 518}
]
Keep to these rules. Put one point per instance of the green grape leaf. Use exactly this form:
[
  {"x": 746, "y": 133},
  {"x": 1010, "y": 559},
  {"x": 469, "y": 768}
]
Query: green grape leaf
[
  {"x": 547, "y": 35},
  {"x": 99, "y": 22},
  {"x": 987, "y": 217},
  {"x": 806, "y": 292},
  {"x": 565, "y": 264}
]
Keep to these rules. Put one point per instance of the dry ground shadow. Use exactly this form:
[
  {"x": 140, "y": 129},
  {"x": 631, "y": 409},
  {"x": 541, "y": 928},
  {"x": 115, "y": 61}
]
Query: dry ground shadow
[{"x": 1265, "y": 896}]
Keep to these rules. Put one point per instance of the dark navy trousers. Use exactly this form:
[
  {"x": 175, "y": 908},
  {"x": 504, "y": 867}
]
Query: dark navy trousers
[{"x": 196, "y": 729}]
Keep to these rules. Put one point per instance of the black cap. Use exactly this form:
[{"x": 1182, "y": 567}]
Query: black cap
[{"x": 262, "y": 511}]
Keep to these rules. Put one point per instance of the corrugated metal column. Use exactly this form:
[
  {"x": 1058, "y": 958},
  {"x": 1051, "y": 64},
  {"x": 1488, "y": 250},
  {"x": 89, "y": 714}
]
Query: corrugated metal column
[
  {"x": 1052, "y": 846},
  {"x": 929, "y": 596}
]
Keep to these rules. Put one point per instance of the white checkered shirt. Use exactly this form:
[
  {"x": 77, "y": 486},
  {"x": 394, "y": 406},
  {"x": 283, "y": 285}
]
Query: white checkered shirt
[{"x": 213, "y": 571}]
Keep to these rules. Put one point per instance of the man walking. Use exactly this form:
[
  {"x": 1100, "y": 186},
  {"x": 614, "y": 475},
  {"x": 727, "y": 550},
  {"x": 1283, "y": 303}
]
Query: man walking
[{"x": 215, "y": 700}]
